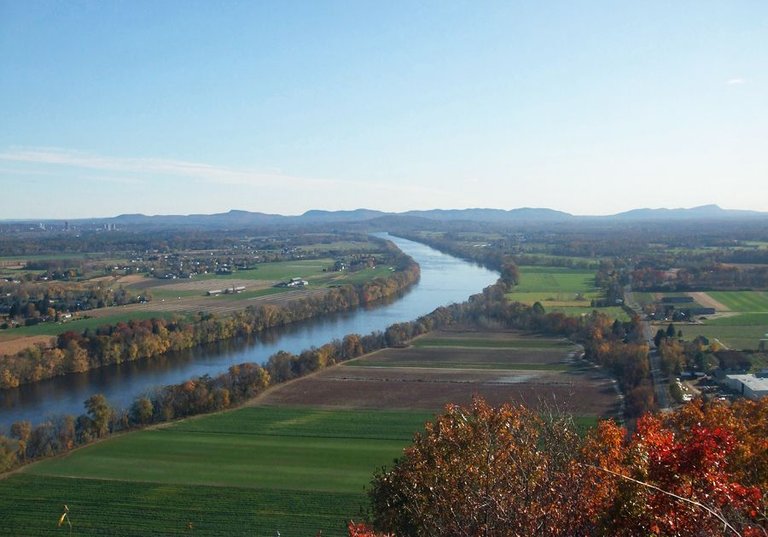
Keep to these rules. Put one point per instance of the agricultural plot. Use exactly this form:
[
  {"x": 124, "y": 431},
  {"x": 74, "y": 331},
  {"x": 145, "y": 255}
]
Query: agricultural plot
[
  {"x": 745, "y": 324},
  {"x": 734, "y": 337},
  {"x": 31, "y": 506},
  {"x": 254, "y": 471},
  {"x": 340, "y": 246},
  {"x": 98, "y": 318},
  {"x": 562, "y": 281},
  {"x": 742, "y": 301},
  {"x": 500, "y": 366},
  {"x": 582, "y": 392},
  {"x": 297, "y": 461},
  {"x": 459, "y": 358},
  {"x": 562, "y": 289}
]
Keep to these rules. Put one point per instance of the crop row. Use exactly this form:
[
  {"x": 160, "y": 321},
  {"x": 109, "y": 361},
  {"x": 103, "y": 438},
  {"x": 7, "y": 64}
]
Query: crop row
[
  {"x": 32, "y": 505},
  {"x": 310, "y": 422}
]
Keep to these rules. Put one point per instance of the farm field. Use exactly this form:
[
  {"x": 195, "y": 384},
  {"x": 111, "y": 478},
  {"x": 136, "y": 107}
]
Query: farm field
[
  {"x": 340, "y": 246},
  {"x": 514, "y": 369},
  {"x": 180, "y": 298},
  {"x": 297, "y": 460},
  {"x": 745, "y": 321},
  {"x": 562, "y": 281},
  {"x": 105, "y": 316},
  {"x": 566, "y": 290},
  {"x": 253, "y": 471},
  {"x": 732, "y": 336},
  {"x": 742, "y": 301}
]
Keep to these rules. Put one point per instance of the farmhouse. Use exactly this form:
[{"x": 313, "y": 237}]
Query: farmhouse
[{"x": 749, "y": 386}]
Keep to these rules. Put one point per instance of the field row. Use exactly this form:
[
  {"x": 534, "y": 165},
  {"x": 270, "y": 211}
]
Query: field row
[{"x": 31, "y": 505}]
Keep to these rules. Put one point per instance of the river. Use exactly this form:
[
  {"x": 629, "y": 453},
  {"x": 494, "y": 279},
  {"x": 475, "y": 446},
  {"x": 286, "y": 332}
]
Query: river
[{"x": 444, "y": 280}]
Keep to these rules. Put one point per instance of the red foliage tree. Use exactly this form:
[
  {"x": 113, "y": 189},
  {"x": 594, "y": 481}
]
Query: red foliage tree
[{"x": 699, "y": 471}]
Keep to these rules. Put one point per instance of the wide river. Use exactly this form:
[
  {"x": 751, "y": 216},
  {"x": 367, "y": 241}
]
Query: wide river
[{"x": 444, "y": 280}]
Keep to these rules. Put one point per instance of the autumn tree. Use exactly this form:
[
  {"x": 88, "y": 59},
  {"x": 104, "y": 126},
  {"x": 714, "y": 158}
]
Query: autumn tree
[
  {"x": 487, "y": 471},
  {"x": 508, "y": 471},
  {"x": 100, "y": 414}
]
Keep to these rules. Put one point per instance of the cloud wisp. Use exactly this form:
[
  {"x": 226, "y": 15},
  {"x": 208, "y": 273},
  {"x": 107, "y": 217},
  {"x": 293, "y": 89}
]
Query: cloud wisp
[
  {"x": 735, "y": 82},
  {"x": 151, "y": 167},
  {"x": 140, "y": 170}
]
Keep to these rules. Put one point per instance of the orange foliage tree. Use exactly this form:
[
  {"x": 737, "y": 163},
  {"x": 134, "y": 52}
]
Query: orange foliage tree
[{"x": 478, "y": 470}]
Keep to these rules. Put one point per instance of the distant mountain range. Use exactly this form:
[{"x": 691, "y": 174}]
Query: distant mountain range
[
  {"x": 236, "y": 218},
  {"x": 524, "y": 214}
]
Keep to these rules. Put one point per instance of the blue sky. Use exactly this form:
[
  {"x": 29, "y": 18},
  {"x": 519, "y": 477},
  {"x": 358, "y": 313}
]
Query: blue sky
[{"x": 178, "y": 107}]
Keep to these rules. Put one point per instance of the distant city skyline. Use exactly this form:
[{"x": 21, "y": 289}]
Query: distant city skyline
[{"x": 591, "y": 108}]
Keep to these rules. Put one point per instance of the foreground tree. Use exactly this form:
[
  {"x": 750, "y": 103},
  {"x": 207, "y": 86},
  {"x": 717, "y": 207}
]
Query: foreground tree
[
  {"x": 508, "y": 471},
  {"x": 489, "y": 471}
]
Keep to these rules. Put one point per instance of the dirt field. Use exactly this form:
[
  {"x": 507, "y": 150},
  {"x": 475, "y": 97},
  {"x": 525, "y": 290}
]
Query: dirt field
[
  {"x": 583, "y": 393},
  {"x": 708, "y": 302},
  {"x": 131, "y": 278},
  {"x": 206, "y": 285},
  {"x": 12, "y": 346},
  {"x": 220, "y": 305},
  {"x": 429, "y": 377},
  {"x": 203, "y": 285}
]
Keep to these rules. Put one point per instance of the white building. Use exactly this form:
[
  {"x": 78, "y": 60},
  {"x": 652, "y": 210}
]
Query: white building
[{"x": 749, "y": 386}]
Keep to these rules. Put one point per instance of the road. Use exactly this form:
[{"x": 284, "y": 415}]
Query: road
[{"x": 660, "y": 382}]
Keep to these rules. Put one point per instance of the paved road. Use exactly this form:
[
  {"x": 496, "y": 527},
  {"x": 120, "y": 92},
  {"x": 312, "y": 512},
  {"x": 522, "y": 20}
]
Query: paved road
[{"x": 660, "y": 382}]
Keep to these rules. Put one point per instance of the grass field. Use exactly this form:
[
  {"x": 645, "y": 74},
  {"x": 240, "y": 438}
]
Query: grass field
[
  {"x": 562, "y": 281},
  {"x": 561, "y": 289},
  {"x": 278, "y": 271},
  {"x": 54, "y": 329},
  {"x": 31, "y": 505},
  {"x": 742, "y": 301},
  {"x": 482, "y": 343},
  {"x": 253, "y": 471},
  {"x": 734, "y": 337},
  {"x": 742, "y": 330},
  {"x": 341, "y": 246},
  {"x": 462, "y": 350}
]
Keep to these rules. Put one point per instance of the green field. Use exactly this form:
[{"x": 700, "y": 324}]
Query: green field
[
  {"x": 561, "y": 289},
  {"x": 253, "y": 471},
  {"x": 54, "y": 329},
  {"x": 31, "y": 506},
  {"x": 555, "y": 281},
  {"x": 741, "y": 331},
  {"x": 518, "y": 343},
  {"x": 743, "y": 319},
  {"x": 742, "y": 301},
  {"x": 341, "y": 246},
  {"x": 277, "y": 271},
  {"x": 733, "y": 336}
]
